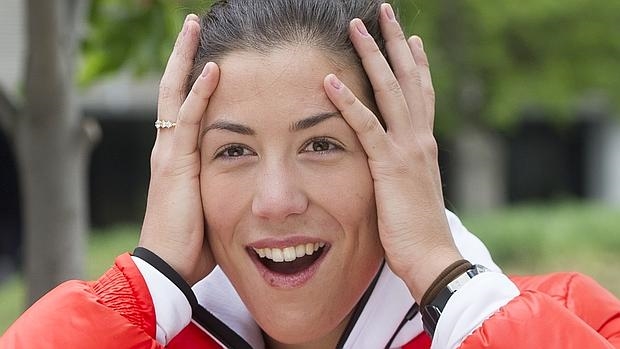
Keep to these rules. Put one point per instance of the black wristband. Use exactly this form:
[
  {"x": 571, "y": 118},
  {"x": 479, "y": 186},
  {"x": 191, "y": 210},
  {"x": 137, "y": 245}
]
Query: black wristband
[
  {"x": 156, "y": 262},
  {"x": 201, "y": 316},
  {"x": 444, "y": 278},
  {"x": 450, "y": 281}
]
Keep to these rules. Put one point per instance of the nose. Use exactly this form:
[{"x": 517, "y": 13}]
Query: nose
[{"x": 279, "y": 192}]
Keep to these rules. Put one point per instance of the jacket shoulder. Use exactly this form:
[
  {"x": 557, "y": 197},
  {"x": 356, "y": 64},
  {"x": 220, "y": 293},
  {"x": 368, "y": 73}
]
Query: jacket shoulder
[
  {"x": 115, "y": 310},
  {"x": 571, "y": 304}
]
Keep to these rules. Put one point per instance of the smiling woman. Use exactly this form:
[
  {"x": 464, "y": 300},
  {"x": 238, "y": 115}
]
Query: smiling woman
[
  {"x": 292, "y": 188},
  {"x": 295, "y": 188}
]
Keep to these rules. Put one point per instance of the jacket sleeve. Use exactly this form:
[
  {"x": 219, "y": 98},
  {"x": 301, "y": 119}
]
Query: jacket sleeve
[
  {"x": 553, "y": 311},
  {"x": 114, "y": 311}
]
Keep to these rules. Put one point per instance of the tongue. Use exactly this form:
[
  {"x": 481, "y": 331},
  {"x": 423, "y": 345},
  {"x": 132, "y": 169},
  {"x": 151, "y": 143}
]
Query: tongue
[{"x": 294, "y": 267}]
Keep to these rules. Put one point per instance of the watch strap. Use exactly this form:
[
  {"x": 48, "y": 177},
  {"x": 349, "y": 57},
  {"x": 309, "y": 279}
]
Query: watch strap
[{"x": 445, "y": 285}]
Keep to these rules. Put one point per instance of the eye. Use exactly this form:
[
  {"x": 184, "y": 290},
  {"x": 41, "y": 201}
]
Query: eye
[
  {"x": 233, "y": 151},
  {"x": 321, "y": 145}
]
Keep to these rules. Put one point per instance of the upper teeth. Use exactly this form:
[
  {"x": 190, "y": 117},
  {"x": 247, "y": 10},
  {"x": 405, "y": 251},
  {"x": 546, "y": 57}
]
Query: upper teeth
[{"x": 288, "y": 254}]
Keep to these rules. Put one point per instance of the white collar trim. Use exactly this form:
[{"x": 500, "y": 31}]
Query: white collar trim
[{"x": 379, "y": 319}]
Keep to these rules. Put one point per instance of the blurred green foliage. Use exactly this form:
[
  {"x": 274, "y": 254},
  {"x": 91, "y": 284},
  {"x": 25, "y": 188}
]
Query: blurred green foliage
[
  {"x": 490, "y": 60},
  {"x": 542, "y": 237},
  {"x": 136, "y": 35},
  {"x": 493, "y": 60}
]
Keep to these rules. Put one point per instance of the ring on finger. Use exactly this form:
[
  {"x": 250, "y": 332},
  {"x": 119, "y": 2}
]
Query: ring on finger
[{"x": 164, "y": 124}]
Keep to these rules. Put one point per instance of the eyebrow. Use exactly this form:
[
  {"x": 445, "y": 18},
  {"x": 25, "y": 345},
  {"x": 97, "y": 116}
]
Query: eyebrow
[
  {"x": 313, "y": 121},
  {"x": 302, "y": 124},
  {"x": 229, "y": 126}
]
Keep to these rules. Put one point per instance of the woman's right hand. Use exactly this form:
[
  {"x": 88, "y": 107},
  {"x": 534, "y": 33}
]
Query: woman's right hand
[{"x": 174, "y": 224}]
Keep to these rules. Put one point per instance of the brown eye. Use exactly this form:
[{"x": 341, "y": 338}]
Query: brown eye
[
  {"x": 234, "y": 151},
  {"x": 321, "y": 146}
]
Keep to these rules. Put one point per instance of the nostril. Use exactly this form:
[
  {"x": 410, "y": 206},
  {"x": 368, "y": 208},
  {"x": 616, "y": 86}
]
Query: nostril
[{"x": 277, "y": 204}]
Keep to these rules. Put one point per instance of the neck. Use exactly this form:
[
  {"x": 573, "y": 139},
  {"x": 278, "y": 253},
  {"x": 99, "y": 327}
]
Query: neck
[
  {"x": 328, "y": 341},
  {"x": 331, "y": 339}
]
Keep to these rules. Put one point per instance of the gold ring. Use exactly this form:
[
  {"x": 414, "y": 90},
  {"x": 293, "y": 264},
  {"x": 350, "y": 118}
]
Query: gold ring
[{"x": 164, "y": 124}]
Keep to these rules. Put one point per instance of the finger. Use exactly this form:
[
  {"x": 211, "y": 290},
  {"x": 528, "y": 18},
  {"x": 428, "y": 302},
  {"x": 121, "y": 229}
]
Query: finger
[
  {"x": 172, "y": 85},
  {"x": 187, "y": 130},
  {"x": 361, "y": 119},
  {"x": 403, "y": 63},
  {"x": 426, "y": 81},
  {"x": 388, "y": 94}
]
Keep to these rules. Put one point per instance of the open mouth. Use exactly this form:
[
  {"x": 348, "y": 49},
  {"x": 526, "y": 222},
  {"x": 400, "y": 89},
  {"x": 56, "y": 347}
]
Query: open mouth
[{"x": 290, "y": 260}]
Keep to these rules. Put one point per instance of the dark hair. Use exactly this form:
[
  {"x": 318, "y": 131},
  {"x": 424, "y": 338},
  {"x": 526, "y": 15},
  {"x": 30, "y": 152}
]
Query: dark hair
[{"x": 264, "y": 25}]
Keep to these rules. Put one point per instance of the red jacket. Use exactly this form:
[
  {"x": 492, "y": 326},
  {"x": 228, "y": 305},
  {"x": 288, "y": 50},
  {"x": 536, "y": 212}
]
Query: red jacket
[{"x": 554, "y": 311}]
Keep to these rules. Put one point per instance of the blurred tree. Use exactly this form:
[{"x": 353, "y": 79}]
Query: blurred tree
[
  {"x": 494, "y": 62},
  {"x": 52, "y": 144},
  {"x": 491, "y": 60},
  {"x": 135, "y": 35},
  {"x": 51, "y": 139}
]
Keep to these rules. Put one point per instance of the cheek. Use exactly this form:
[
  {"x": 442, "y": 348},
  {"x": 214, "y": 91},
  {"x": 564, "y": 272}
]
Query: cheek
[
  {"x": 222, "y": 206},
  {"x": 352, "y": 195},
  {"x": 357, "y": 214}
]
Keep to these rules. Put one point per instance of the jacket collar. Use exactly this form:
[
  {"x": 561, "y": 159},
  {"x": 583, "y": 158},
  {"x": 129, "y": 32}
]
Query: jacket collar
[
  {"x": 379, "y": 319},
  {"x": 373, "y": 328}
]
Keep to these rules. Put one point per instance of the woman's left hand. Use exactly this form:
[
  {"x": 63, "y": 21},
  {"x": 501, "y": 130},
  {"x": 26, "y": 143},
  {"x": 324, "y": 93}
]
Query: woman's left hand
[{"x": 413, "y": 226}]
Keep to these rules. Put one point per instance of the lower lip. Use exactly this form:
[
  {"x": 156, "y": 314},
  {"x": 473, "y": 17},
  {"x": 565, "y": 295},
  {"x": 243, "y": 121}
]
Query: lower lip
[{"x": 288, "y": 281}]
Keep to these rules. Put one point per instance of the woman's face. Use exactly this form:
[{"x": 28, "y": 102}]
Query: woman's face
[{"x": 287, "y": 193}]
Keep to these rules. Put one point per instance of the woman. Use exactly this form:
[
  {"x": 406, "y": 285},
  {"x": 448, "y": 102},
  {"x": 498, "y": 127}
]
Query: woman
[{"x": 308, "y": 159}]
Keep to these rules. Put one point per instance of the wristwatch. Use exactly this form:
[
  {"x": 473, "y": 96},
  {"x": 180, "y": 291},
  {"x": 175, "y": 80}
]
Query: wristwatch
[{"x": 432, "y": 311}]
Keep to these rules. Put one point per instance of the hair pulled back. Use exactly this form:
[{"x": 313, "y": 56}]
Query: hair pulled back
[{"x": 264, "y": 25}]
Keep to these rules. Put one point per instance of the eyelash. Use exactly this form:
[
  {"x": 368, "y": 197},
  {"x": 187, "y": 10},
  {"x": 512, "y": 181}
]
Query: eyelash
[
  {"x": 332, "y": 145},
  {"x": 224, "y": 153}
]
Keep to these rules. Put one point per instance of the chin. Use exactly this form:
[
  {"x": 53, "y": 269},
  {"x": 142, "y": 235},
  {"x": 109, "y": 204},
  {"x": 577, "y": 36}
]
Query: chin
[{"x": 315, "y": 313}]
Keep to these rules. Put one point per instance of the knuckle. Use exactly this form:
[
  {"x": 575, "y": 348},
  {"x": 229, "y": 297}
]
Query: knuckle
[
  {"x": 428, "y": 145},
  {"x": 398, "y": 35},
  {"x": 417, "y": 78},
  {"x": 430, "y": 94},
  {"x": 165, "y": 91},
  {"x": 199, "y": 91},
  {"x": 156, "y": 163},
  {"x": 370, "y": 125},
  {"x": 375, "y": 50},
  {"x": 423, "y": 61},
  {"x": 391, "y": 87},
  {"x": 349, "y": 100},
  {"x": 186, "y": 121},
  {"x": 423, "y": 149},
  {"x": 410, "y": 73},
  {"x": 187, "y": 55},
  {"x": 402, "y": 167},
  {"x": 160, "y": 161},
  {"x": 162, "y": 168}
]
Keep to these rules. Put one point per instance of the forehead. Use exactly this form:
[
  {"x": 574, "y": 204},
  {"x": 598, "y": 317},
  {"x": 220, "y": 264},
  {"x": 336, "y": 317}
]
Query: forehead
[{"x": 283, "y": 80}]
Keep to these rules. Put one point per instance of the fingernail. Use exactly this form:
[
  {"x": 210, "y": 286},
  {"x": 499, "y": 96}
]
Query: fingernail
[
  {"x": 186, "y": 18},
  {"x": 206, "y": 70},
  {"x": 361, "y": 27},
  {"x": 389, "y": 12},
  {"x": 335, "y": 82},
  {"x": 418, "y": 41},
  {"x": 192, "y": 17}
]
